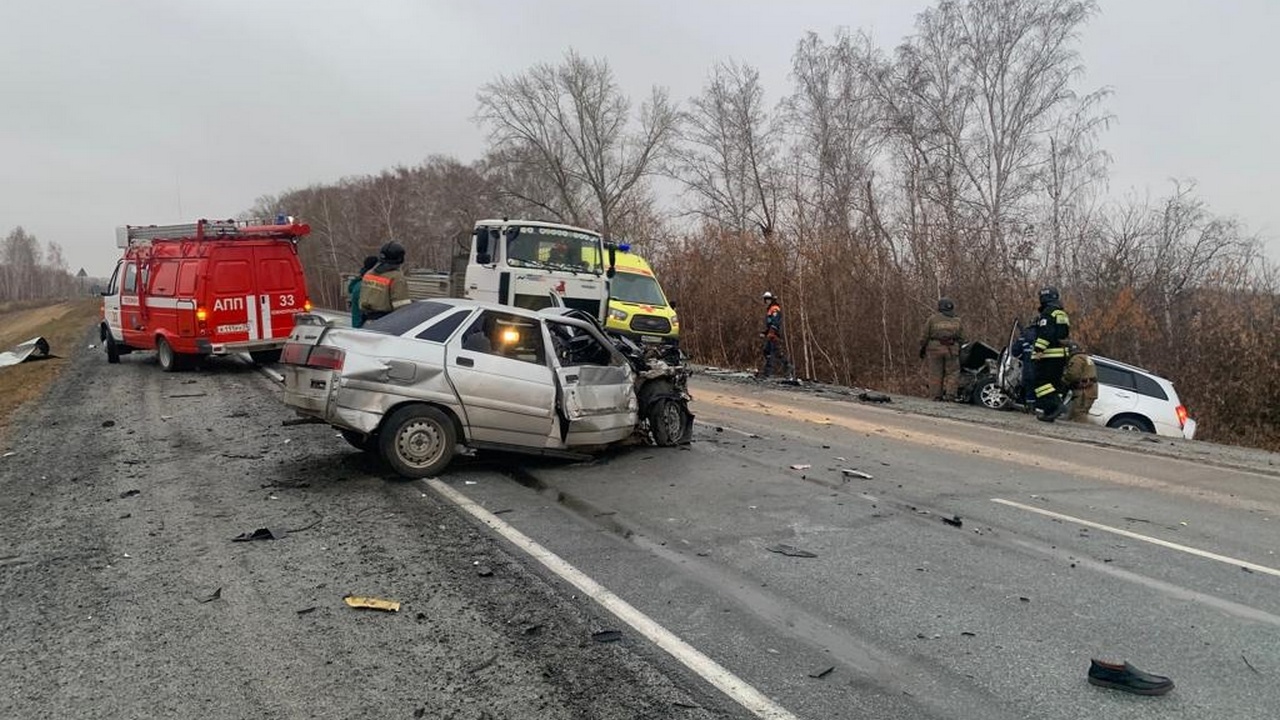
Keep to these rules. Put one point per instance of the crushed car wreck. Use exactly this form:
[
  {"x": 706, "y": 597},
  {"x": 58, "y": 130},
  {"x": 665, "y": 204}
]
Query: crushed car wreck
[{"x": 435, "y": 375}]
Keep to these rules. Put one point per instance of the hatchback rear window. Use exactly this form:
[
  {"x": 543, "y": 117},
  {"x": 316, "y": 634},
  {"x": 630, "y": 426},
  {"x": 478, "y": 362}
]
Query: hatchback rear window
[{"x": 406, "y": 318}]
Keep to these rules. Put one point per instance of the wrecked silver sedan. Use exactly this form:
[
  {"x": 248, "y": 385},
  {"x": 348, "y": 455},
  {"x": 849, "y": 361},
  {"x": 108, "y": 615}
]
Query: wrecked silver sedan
[{"x": 434, "y": 377}]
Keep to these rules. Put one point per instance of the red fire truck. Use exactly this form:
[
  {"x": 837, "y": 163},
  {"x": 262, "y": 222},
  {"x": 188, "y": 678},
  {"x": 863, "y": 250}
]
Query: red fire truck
[{"x": 212, "y": 287}]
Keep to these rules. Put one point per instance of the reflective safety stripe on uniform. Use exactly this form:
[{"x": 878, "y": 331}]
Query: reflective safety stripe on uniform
[
  {"x": 1046, "y": 389},
  {"x": 1042, "y": 343},
  {"x": 1058, "y": 352}
]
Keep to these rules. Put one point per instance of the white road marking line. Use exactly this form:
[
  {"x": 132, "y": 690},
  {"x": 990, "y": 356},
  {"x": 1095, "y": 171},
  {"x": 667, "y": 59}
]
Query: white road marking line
[
  {"x": 1144, "y": 538},
  {"x": 711, "y": 671}
]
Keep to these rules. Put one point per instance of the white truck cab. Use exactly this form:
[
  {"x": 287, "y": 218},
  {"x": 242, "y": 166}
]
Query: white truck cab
[{"x": 520, "y": 262}]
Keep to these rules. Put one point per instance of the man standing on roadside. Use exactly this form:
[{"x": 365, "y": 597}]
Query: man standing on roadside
[
  {"x": 773, "y": 352},
  {"x": 940, "y": 349},
  {"x": 1049, "y": 354}
]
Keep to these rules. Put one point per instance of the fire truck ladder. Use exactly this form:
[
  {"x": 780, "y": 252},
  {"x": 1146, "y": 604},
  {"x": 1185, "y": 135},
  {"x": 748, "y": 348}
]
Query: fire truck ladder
[{"x": 209, "y": 230}]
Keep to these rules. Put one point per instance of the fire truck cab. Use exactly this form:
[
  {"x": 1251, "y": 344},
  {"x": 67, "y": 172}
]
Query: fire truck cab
[{"x": 213, "y": 287}]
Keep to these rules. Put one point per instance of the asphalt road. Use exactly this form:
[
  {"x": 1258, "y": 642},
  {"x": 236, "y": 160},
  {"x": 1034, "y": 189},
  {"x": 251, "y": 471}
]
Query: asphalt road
[
  {"x": 124, "y": 596},
  {"x": 1064, "y": 551},
  {"x": 916, "y": 617}
]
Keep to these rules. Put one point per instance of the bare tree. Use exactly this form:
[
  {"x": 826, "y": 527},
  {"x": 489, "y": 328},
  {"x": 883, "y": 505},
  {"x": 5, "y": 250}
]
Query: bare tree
[
  {"x": 567, "y": 126},
  {"x": 729, "y": 159}
]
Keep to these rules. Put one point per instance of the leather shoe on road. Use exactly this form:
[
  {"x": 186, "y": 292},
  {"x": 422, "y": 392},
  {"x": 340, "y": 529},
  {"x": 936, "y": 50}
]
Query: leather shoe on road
[{"x": 1127, "y": 678}]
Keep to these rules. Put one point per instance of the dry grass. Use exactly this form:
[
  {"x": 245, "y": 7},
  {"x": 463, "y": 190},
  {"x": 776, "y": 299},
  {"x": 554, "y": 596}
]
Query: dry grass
[{"x": 65, "y": 325}]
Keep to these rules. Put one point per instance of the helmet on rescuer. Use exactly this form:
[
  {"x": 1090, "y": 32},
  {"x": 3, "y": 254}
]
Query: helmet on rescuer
[
  {"x": 1048, "y": 295},
  {"x": 946, "y": 305},
  {"x": 391, "y": 252},
  {"x": 767, "y": 295}
]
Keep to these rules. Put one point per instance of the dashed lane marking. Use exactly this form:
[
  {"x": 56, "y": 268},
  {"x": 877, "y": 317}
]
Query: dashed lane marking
[
  {"x": 1144, "y": 538},
  {"x": 708, "y": 669}
]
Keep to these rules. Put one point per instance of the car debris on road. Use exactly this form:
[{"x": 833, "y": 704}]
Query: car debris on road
[
  {"x": 371, "y": 603},
  {"x": 790, "y": 551},
  {"x": 261, "y": 534},
  {"x": 37, "y": 348}
]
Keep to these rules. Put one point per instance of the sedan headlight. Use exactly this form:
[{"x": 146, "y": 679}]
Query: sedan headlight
[{"x": 616, "y": 314}]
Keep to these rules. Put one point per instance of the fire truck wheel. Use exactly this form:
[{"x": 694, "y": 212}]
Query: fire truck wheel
[
  {"x": 417, "y": 441},
  {"x": 169, "y": 360},
  {"x": 113, "y": 350}
]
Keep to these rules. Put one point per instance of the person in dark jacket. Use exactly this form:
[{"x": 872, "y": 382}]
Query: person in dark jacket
[
  {"x": 1049, "y": 355},
  {"x": 353, "y": 290}
]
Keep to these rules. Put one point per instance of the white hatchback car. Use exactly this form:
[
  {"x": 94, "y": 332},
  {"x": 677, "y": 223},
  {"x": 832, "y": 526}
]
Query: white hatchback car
[{"x": 1130, "y": 398}]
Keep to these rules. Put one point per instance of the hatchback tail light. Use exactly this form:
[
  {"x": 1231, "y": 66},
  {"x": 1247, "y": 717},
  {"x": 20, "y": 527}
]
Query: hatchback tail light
[{"x": 1182, "y": 415}]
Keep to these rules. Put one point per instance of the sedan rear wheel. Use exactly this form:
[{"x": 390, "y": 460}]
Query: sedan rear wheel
[{"x": 417, "y": 441}]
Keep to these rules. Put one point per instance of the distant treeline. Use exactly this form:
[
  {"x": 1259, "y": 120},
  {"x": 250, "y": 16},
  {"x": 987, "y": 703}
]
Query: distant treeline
[{"x": 29, "y": 272}]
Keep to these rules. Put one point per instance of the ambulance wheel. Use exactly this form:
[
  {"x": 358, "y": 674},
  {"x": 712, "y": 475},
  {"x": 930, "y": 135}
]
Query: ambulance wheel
[
  {"x": 417, "y": 441},
  {"x": 169, "y": 360},
  {"x": 113, "y": 350},
  {"x": 265, "y": 357},
  {"x": 363, "y": 443}
]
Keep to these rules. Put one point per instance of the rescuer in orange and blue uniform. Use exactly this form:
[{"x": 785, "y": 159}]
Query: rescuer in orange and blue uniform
[{"x": 773, "y": 352}]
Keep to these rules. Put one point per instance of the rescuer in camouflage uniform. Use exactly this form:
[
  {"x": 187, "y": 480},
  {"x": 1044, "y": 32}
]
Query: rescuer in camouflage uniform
[
  {"x": 384, "y": 288},
  {"x": 940, "y": 349},
  {"x": 1081, "y": 376}
]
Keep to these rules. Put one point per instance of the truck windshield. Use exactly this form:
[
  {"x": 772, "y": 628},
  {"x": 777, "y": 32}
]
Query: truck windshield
[
  {"x": 638, "y": 289},
  {"x": 554, "y": 249}
]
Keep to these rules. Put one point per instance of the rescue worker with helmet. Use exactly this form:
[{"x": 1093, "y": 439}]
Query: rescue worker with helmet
[
  {"x": 353, "y": 290},
  {"x": 1081, "y": 376},
  {"x": 1049, "y": 354},
  {"x": 384, "y": 288},
  {"x": 940, "y": 349},
  {"x": 773, "y": 352}
]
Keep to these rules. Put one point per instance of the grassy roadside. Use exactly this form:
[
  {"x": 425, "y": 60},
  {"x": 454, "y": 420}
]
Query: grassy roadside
[{"x": 65, "y": 325}]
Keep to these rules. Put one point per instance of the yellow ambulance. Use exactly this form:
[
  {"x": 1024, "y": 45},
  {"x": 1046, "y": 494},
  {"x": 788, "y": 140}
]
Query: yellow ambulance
[{"x": 637, "y": 305}]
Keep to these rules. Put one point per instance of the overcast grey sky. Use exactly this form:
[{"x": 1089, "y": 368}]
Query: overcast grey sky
[{"x": 140, "y": 111}]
